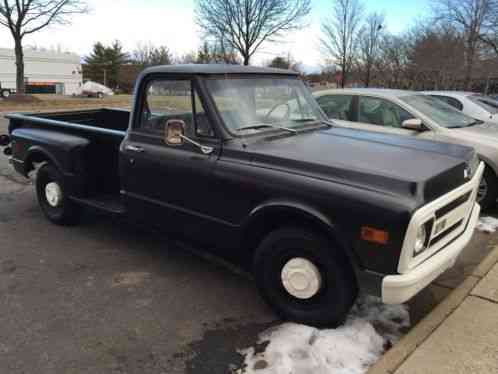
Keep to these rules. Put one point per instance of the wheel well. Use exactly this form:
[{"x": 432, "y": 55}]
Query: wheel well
[
  {"x": 33, "y": 159},
  {"x": 264, "y": 224}
]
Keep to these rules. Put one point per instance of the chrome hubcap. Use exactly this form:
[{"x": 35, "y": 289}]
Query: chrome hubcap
[
  {"x": 483, "y": 190},
  {"x": 53, "y": 193},
  {"x": 301, "y": 278}
]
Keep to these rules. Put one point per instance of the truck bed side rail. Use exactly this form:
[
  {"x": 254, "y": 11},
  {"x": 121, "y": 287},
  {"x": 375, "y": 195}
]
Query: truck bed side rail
[{"x": 69, "y": 125}]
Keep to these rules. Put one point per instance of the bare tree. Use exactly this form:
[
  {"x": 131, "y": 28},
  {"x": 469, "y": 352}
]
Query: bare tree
[
  {"x": 246, "y": 24},
  {"x": 476, "y": 19},
  {"x": 149, "y": 55},
  {"x": 217, "y": 52},
  {"x": 25, "y": 17},
  {"x": 340, "y": 34},
  {"x": 369, "y": 38},
  {"x": 435, "y": 55},
  {"x": 393, "y": 61},
  {"x": 490, "y": 38}
]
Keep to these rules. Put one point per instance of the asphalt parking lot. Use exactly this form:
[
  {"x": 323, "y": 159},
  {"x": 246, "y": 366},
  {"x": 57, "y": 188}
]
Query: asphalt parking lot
[{"x": 105, "y": 297}]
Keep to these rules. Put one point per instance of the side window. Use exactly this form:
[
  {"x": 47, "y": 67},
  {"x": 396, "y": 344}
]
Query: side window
[
  {"x": 337, "y": 106},
  {"x": 203, "y": 127},
  {"x": 455, "y": 103},
  {"x": 173, "y": 99},
  {"x": 381, "y": 112}
]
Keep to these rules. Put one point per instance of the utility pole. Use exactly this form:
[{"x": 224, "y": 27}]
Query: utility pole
[{"x": 105, "y": 77}]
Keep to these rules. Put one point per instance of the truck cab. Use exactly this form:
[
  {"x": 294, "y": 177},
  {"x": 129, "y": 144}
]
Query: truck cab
[{"x": 242, "y": 159}]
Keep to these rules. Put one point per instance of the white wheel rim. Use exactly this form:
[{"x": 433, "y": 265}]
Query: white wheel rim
[
  {"x": 6, "y": 94},
  {"x": 301, "y": 278},
  {"x": 53, "y": 194}
]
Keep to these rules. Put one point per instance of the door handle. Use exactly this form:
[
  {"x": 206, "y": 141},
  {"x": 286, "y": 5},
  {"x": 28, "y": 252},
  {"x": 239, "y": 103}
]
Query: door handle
[{"x": 134, "y": 148}]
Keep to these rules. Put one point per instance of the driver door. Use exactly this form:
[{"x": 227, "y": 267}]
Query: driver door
[{"x": 166, "y": 185}]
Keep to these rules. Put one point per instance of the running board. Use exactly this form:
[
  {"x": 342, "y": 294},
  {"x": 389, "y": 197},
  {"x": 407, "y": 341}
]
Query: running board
[{"x": 107, "y": 203}]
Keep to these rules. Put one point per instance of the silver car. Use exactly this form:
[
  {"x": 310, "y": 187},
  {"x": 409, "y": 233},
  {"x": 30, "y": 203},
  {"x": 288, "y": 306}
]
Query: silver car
[
  {"x": 411, "y": 113},
  {"x": 472, "y": 104}
]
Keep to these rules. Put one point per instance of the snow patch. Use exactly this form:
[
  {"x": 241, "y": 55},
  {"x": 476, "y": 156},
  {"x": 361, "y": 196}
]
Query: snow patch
[
  {"x": 371, "y": 328},
  {"x": 487, "y": 224}
]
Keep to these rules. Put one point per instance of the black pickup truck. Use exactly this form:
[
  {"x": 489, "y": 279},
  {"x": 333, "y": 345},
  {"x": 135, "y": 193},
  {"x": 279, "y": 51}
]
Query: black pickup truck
[{"x": 243, "y": 160}]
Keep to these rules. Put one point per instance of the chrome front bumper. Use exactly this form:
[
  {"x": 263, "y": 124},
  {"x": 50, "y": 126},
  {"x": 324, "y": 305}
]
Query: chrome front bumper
[
  {"x": 397, "y": 289},
  {"x": 459, "y": 213}
]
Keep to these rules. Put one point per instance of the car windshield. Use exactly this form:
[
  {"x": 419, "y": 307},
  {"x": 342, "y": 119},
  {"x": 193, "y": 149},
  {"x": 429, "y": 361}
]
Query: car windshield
[
  {"x": 440, "y": 112},
  {"x": 487, "y": 103},
  {"x": 251, "y": 105}
]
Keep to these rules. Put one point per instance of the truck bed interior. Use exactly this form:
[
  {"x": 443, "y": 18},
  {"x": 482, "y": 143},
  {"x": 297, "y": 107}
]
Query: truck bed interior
[
  {"x": 111, "y": 119},
  {"x": 102, "y": 189}
]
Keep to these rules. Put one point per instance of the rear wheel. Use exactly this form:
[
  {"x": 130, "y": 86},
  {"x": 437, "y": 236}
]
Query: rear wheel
[
  {"x": 52, "y": 197},
  {"x": 488, "y": 189},
  {"x": 100, "y": 95},
  {"x": 304, "y": 277},
  {"x": 5, "y": 94}
]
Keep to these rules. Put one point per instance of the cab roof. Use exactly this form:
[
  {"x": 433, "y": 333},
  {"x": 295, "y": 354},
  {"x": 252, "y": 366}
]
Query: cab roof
[{"x": 217, "y": 69}]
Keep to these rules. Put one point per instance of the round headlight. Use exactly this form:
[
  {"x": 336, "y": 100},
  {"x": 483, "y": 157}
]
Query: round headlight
[{"x": 420, "y": 239}]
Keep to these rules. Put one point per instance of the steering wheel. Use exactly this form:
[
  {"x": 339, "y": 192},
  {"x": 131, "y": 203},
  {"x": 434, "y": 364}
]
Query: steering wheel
[{"x": 287, "y": 113}]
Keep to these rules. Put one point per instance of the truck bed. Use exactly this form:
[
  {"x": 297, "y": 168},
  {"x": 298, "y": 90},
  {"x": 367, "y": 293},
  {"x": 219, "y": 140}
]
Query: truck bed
[
  {"x": 110, "y": 119},
  {"x": 103, "y": 128}
]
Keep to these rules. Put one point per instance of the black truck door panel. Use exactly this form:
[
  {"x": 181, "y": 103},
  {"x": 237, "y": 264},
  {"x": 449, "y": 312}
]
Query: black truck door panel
[{"x": 169, "y": 186}]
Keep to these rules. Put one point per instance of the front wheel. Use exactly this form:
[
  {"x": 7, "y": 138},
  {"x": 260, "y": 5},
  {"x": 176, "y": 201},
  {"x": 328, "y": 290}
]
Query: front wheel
[
  {"x": 488, "y": 189},
  {"x": 304, "y": 277},
  {"x": 53, "y": 199},
  {"x": 5, "y": 94}
]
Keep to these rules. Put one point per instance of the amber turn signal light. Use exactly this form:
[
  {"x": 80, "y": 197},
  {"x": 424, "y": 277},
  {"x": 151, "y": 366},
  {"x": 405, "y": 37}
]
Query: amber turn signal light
[{"x": 370, "y": 234}]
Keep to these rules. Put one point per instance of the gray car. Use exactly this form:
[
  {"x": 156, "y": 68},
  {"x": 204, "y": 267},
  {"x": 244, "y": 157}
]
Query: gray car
[{"x": 411, "y": 113}]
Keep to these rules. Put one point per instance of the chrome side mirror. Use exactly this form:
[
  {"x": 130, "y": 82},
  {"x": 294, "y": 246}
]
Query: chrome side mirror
[
  {"x": 413, "y": 124},
  {"x": 175, "y": 135},
  {"x": 175, "y": 130}
]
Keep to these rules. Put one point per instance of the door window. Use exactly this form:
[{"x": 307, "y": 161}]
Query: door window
[
  {"x": 455, "y": 103},
  {"x": 173, "y": 99},
  {"x": 337, "y": 106},
  {"x": 381, "y": 112}
]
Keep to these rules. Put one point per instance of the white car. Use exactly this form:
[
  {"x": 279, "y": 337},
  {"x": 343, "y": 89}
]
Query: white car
[
  {"x": 415, "y": 114},
  {"x": 472, "y": 104},
  {"x": 94, "y": 89}
]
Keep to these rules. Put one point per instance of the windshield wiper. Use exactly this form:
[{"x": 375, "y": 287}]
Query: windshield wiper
[
  {"x": 264, "y": 125},
  {"x": 310, "y": 119}
]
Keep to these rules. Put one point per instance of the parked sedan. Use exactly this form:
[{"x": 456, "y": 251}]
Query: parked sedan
[
  {"x": 472, "y": 104},
  {"x": 415, "y": 114}
]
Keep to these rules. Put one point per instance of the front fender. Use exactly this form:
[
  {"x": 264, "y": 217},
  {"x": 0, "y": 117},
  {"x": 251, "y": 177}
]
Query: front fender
[{"x": 267, "y": 212}]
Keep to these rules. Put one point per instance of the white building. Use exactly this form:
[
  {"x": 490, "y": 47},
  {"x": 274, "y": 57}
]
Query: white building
[{"x": 44, "y": 71}]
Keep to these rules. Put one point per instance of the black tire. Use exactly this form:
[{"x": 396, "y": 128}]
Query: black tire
[
  {"x": 489, "y": 199},
  {"x": 66, "y": 213},
  {"x": 5, "y": 94},
  {"x": 331, "y": 305},
  {"x": 100, "y": 95}
]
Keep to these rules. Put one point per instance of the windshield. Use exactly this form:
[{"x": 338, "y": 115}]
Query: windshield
[
  {"x": 487, "y": 103},
  {"x": 251, "y": 105},
  {"x": 440, "y": 112}
]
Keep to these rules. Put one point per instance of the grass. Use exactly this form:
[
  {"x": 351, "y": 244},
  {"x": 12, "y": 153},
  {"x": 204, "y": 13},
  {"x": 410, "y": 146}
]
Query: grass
[{"x": 57, "y": 102}]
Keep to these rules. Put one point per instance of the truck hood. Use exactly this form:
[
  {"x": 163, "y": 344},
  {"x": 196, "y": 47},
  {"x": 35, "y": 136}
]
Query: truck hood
[{"x": 393, "y": 164}]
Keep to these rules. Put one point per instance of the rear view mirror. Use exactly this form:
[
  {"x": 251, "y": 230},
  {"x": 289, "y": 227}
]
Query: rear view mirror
[
  {"x": 413, "y": 124},
  {"x": 175, "y": 131}
]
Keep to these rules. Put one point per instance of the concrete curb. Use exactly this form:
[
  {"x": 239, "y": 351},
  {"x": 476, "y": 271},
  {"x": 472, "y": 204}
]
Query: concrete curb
[{"x": 393, "y": 359}]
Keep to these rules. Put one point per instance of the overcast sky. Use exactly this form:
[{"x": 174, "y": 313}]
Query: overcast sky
[{"x": 171, "y": 23}]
